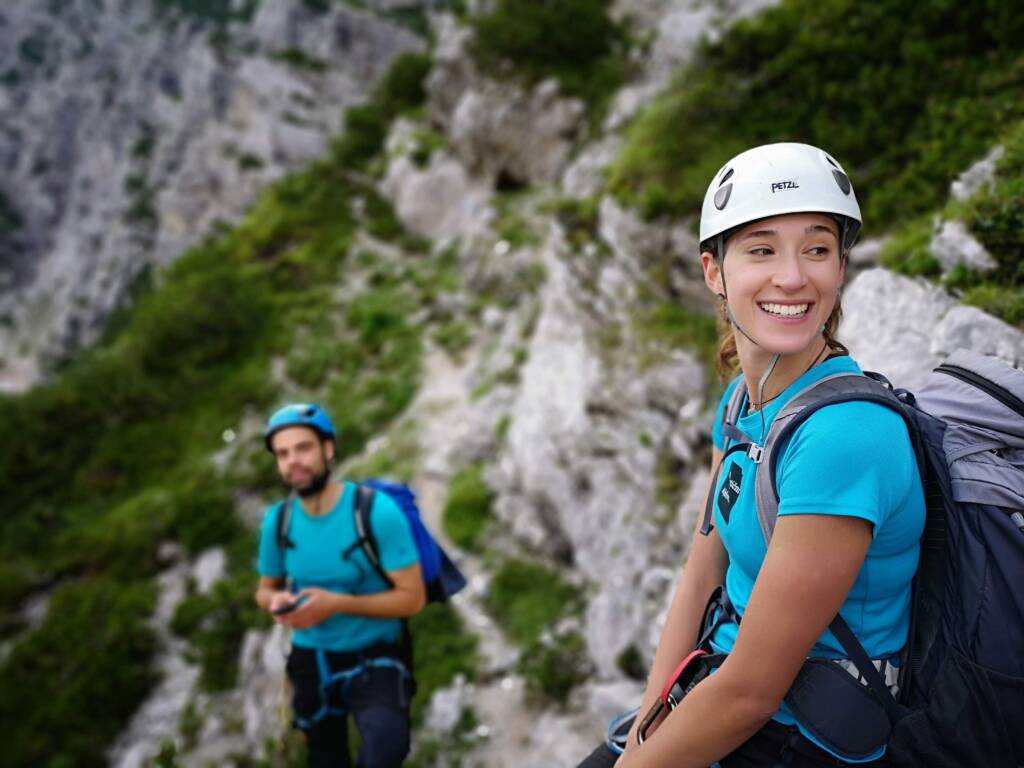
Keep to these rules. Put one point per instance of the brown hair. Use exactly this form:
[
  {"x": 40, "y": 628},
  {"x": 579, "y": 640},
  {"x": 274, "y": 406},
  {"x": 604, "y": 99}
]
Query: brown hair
[{"x": 728, "y": 362}]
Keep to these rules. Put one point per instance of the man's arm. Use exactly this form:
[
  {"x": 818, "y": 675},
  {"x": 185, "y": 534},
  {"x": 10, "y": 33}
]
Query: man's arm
[
  {"x": 271, "y": 593},
  {"x": 406, "y": 598}
]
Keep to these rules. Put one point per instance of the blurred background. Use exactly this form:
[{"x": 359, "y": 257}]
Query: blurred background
[{"x": 468, "y": 229}]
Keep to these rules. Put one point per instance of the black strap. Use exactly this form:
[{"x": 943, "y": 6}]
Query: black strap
[
  {"x": 284, "y": 518},
  {"x": 867, "y": 669},
  {"x": 363, "y": 507},
  {"x": 709, "y": 503}
]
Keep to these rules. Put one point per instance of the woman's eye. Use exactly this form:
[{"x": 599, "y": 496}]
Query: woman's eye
[
  {"x": 762, "y": 251},
  {"x": 820, "y": 251}
]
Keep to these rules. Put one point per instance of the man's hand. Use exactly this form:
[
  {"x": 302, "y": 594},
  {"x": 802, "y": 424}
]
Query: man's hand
[{"x": 317, "y": 605}]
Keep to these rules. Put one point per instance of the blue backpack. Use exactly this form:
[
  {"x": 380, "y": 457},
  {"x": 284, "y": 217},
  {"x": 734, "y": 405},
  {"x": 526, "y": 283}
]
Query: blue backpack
[{"x": 441, "y": 577}]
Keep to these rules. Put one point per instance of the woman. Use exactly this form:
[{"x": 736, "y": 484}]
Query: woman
[{"x": 776, "y": 228}]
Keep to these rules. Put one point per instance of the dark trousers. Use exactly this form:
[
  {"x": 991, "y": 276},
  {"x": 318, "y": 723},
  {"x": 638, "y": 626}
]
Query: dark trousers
[
  {"x": 774, "y": 746},
  {"x": 377, "y": 698}
]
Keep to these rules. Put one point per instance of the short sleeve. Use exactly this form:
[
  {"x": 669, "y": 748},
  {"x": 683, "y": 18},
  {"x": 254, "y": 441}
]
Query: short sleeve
[
  {"x": 392, "y": 533},
  {"x": 271, "y": 558},
  {"x": 852, "y": 459},
  {"x": 717, "y": 438}
]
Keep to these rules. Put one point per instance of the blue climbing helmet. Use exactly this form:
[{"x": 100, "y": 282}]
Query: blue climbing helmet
[{"x": 300, "y": 415}]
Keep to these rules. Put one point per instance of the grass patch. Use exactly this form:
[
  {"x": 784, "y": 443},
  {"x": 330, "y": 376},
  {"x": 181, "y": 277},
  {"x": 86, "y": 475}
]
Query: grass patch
[
  {"x": 909, "y": 250},
  {"x": 525, "y": 599},
  {"x": 468, "y": 508},
  {"x": 554, "y": 665},
  {"x": 573, "y": 41},
  {"x": 366, "y": 126},
  {"x": 903, "y": 120},
  {"x": 443, "y": 648},
  {"x": 299, "y": 59},
  {"x": 68, "y": 687},
  {"x": 664, "y": 325},
  {"x": 215, "y": 623}
]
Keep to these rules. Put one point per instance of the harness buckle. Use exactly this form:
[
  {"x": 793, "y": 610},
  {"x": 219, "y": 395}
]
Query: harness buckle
[{"x": 755, "y": 453}]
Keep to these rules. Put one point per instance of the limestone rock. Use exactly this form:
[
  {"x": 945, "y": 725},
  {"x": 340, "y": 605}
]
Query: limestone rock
[
  {"x": 132, "y": 135},
  {"x": 954, "y": 245},
  {"x": 904, "y": 327},
  {"x": 440, "y": 201},
  {"x": 499, "y": 130},
  {"x": 978, "y": 175}
]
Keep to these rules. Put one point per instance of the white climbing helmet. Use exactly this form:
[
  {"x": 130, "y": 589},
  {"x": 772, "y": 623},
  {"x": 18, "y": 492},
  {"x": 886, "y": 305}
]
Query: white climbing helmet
[{"x": 775, "y": 179}]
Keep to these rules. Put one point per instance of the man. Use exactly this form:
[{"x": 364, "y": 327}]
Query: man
[{"x": 347, "y": 655}]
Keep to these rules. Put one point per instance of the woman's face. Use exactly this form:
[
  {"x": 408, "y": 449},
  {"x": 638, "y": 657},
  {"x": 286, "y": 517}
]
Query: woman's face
[{"x": 782, "y": 276}]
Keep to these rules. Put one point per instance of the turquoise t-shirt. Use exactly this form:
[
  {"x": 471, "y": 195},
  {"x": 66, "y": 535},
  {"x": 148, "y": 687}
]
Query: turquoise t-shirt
[
  {"x": 852, "y": 459},
  {"x": 316, "y": 561}
]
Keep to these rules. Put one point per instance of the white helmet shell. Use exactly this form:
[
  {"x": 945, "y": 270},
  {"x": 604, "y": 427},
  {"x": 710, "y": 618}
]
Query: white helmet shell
[{"x": 776, "y": 179}]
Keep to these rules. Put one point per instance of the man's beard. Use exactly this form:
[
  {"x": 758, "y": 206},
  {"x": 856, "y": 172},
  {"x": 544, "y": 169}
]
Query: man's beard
[{"x": 316, "y": 484}]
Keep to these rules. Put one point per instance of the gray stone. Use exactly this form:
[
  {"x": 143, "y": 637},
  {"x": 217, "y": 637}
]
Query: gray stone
[
  {"x": 904, "y": 327},
  {"x": 953, "y": 245},
  {"x": 441, "y": 201},
  {"x": 135, "y": 136},
  {"x": 978, "y": 175},
  {"x": 889, "y": 322}
]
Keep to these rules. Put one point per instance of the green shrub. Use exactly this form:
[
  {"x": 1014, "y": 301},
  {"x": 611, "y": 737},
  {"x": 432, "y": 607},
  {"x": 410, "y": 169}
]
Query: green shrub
[
  {"x": 909, "y": 250},
  {"x": 215, "y": 623},
  {"x": 553, "y": 666},
  {"x": 68, "y": 687},
  {"x": 573, "y": 41},
  {"x": 631, "y": 663},
  {"x": 454, "y": 336},
  {"x": 526, "y": 598},
  {"x": 997, "y": 220},
  {"x": 366, "y": 126},
  {"x": 442, "y": 648},
  {"x": 903, "y": 120},
  {"x": 1005, "y": 302},
  {"x": 298, "y": 58},
  {"x": 665, "y": 325},
  {"x": 468, "y": 508}
]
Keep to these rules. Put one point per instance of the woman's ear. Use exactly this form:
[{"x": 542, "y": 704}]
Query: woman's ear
[{"x": 712, "y": 274}]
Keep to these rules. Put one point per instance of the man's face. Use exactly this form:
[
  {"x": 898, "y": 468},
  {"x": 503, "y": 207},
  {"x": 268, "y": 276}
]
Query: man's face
[{"x": 301, "y": 455}]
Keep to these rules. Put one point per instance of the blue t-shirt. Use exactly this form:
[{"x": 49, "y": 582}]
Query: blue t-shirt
[
  {"x": 316, "y": 561},
  {"x": 851, "y": 459}
]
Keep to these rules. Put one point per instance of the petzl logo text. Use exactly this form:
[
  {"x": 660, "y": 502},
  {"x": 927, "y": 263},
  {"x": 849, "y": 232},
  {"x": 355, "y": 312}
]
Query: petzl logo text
[{"x": 776, "y": 186}]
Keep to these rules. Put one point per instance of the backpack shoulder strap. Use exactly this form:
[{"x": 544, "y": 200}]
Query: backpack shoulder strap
[
  {"x": 362, "y": 508},
  {"x": 284, "y": 519},
  {"x": 838, "y": 388},
  {"x": 732, "y": 413}
]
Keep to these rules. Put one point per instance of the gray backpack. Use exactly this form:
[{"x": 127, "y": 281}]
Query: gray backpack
[{"x": 961, "y": 683}]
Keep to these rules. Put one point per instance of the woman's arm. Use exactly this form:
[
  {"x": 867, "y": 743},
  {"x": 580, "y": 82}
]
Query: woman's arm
[
  {"x": 704, "y": 570},
  {"x": 812, "y": 563}
]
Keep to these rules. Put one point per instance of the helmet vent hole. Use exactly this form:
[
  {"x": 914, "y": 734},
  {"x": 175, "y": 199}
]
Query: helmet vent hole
[
  {"x": 843, "y": 181},
  {"x": 728, "y": 175},
  {"x": 722, "y": 196},
  {"x": 832, "y": 162}
]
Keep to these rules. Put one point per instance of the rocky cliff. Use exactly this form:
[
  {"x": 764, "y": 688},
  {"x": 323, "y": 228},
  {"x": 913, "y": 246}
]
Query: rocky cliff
[{"x": 567, "y": 342}]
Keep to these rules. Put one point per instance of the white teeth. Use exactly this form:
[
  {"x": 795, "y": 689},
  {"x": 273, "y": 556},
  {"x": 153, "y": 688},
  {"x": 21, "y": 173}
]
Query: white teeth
[{"x": 785, "y": 310}]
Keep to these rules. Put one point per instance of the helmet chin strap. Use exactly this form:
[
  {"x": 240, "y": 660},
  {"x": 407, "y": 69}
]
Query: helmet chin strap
[{"x": 724, "y": 296}]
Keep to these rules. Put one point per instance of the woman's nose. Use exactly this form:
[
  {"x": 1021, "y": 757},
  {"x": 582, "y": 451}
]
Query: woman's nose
[{"x": 790, "y": 274}]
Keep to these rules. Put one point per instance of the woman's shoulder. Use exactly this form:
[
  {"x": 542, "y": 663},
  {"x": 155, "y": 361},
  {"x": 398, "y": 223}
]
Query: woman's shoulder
[{"x": 855, "y": 426}]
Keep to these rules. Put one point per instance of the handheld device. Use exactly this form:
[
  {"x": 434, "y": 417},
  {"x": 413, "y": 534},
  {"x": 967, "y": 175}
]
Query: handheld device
[{"x": 290, "y": 606}]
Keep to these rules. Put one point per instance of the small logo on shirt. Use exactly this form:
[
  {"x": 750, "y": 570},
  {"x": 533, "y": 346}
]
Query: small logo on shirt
[{"x": 730, "y": 491}]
